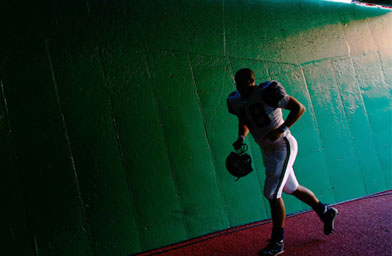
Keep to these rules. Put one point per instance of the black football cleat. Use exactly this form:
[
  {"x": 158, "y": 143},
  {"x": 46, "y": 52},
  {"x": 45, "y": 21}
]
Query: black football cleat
[
  {"x": 328, "y": 218},
  {"x": 273, "y": 248}
]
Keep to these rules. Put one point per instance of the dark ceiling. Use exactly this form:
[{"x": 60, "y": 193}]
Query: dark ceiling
[{"x": 378, "y": 2}]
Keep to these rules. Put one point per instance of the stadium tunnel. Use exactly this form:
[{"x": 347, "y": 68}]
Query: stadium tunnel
[{"x": 114, "y": 127}]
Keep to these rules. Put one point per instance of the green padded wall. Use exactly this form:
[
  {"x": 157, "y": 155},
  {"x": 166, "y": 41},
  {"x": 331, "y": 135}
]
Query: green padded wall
[{"x": 114, "y": 127}]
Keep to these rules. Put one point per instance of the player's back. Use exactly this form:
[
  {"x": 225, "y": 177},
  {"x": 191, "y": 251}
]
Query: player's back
[{"x": 261, "y": 112}]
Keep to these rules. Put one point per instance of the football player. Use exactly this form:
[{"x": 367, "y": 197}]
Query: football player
[{"x": 259, "y": 111}]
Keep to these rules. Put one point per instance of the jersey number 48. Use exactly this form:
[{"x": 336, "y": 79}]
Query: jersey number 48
[{"x": 254, "y": 116}]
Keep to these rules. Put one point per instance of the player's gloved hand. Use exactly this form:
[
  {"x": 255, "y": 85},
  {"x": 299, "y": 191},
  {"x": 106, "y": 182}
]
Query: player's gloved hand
[{"x": 238, "y": 143}]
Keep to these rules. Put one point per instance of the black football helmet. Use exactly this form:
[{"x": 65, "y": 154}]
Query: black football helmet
[{"x": 239, "y": 164}]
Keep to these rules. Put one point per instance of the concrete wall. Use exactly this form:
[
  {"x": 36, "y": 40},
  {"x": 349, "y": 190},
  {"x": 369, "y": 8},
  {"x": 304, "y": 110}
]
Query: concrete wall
[{"x": 114, "y": 127}]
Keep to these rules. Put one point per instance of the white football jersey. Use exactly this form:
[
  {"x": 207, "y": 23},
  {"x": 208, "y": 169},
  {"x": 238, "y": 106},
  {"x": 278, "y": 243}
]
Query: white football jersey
[{"x": 262, "y": 112}]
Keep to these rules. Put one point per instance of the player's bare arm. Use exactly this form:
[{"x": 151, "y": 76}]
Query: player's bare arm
[
  {"x": 243, "y": 131},
  {"x": 296, "y": 110}
]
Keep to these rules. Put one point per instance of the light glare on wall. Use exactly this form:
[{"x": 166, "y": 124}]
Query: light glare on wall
[{"x": 341, "y": 1}]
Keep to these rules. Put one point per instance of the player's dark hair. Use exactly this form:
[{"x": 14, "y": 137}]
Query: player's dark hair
[{"x": 243, "y": 75}]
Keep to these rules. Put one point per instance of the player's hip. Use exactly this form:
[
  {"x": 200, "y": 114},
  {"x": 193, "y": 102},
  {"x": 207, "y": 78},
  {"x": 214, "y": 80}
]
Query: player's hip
[
  {"x": 280, "y": 144},
  {"x": 279, "y": 151}
]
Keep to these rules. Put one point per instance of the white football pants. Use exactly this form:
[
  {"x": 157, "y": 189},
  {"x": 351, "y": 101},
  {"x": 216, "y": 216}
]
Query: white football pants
[{"x": 279, "y": 157}]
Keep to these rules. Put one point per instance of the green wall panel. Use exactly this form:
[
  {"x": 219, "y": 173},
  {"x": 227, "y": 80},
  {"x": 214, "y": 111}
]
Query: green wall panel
[
  {"x": 188, "y": 148},
  {"x": 95, "y": 151},
  {"x": 194, "y": 26},
  {"x": 93, "y": 140},
  {"x": 378, "y": 101},
  {"x": 331, "y": 119},
  {"x": 15, "y": 235},
  {"x": 246, "y": 39},
  {"x": 143, "y": 147},
  {"x": 116, "y": 21},
  {"x": 381, "y": 30},
  {"x": 269, "y": 30},
  {"x": 359, "y": 126},
  {"x": 55, "y": 212}
]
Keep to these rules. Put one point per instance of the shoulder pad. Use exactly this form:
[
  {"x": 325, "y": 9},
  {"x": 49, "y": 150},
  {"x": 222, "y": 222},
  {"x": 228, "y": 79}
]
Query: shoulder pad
[{"x": 272, "y": 93}]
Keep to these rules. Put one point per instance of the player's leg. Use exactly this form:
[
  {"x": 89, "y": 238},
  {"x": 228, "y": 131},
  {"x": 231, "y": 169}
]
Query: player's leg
[
  {"x": 278, "y": 212},
  {"x": 302, "y": 193},
  {"x": 326, "y": 213},
  {"x": 276, "y": 246},
  {"x": 278, "y": 164},
  {"x": 306, "y": 196}
]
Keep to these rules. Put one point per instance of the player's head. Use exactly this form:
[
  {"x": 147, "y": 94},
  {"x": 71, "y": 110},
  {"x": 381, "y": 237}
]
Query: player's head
[{"x": 245, "y": 81}]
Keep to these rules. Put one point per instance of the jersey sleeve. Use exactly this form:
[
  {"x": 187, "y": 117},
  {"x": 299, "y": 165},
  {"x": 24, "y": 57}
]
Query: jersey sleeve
[{"x": 275, "y": 95}]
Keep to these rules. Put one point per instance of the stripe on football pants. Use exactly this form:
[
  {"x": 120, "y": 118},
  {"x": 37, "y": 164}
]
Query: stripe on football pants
[{"x": 284, "y": 170}]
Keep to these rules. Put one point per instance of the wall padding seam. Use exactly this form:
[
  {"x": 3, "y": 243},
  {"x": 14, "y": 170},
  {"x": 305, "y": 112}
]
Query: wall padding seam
[
  {"x": 156, "y": 103},
  {"x": 85, "y": 220},
  {"x": 222, "y": 199}
]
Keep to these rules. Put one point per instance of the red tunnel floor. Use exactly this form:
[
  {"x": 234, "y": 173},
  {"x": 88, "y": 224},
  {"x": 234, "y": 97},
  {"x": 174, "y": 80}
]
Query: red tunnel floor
[{"x": 363, "y": 227}]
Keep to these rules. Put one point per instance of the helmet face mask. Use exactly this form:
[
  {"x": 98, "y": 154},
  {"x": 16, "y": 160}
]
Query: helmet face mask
[{"x": 239, "y": 164}]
